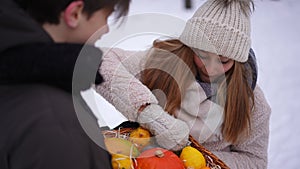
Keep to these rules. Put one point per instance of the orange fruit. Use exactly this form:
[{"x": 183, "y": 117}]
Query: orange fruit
[{"x": 140, "y": 137}]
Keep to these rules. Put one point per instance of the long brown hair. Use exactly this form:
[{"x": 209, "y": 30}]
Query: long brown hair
[
  {"x": 164, "y": 72},
  {"x": 169, "y": 68}
]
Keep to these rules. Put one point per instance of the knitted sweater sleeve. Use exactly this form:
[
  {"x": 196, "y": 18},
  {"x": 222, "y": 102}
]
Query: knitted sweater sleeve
[
  {"x": 252, "y": 153},
  {"x": 121, "y": 87}
]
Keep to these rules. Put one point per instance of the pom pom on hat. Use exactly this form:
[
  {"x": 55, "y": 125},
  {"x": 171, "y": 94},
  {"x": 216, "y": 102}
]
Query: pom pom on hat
[{"x": 221, "y": 27}]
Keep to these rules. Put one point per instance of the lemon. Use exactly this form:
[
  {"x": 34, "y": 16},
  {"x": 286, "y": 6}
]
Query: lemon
[
  {"x": 192, "y": 158},
  {"x": 120, "y": 161}
]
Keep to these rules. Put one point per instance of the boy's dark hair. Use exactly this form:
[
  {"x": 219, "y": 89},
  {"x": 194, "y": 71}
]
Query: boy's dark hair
[{"x": 49, "y": 10}]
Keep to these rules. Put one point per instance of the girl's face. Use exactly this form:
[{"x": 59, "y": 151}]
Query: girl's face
[{"x": 211, "y": 66}]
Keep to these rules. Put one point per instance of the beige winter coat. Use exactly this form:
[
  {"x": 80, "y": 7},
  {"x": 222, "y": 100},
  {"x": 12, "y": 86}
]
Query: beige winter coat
[{"x": 123, "y": 89}]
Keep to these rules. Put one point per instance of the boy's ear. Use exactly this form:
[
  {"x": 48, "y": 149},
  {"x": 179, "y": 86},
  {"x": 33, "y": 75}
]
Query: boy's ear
[{"x": 72, "y": 13}]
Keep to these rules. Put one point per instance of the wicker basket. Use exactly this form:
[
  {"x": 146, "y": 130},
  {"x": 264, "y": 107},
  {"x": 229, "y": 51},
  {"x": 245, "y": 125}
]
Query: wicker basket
[{"x": 212, "y": 161}]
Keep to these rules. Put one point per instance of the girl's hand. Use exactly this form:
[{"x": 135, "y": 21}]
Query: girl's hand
[{"x": 170, "y": 133}]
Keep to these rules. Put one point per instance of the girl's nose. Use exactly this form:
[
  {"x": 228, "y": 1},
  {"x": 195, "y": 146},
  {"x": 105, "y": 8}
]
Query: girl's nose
[{"x": 214, "y": 69}]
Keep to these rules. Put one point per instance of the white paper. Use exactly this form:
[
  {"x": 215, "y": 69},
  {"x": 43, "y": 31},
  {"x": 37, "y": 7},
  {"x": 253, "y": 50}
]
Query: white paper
[{"x": 106, "y": 113}]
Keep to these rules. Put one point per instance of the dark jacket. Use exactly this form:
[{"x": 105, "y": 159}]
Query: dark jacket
[
  {"x": 17, "y": 28},
  {"x": 40, "y": 130},
  {"x": 39, "y": 127}
]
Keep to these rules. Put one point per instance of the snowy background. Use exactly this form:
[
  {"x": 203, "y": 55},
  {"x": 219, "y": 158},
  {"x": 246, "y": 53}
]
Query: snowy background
[{"x": 275, "y": 40}]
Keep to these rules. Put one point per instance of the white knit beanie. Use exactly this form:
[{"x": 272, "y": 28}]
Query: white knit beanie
[{"x": 221, "y": 27}]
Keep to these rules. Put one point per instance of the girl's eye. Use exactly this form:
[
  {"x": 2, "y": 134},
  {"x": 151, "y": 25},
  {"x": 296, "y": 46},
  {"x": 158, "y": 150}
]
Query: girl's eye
[
  {"x": 202, "y": 57},
  {"x": 224, "y": 62}
]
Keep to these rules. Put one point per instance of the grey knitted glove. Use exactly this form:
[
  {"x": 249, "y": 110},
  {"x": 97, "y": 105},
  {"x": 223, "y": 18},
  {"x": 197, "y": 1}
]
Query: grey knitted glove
[{"x": 170, "y": 133}]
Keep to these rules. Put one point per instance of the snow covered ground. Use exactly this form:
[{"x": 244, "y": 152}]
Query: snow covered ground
[{"x": 275, "y": 40}]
